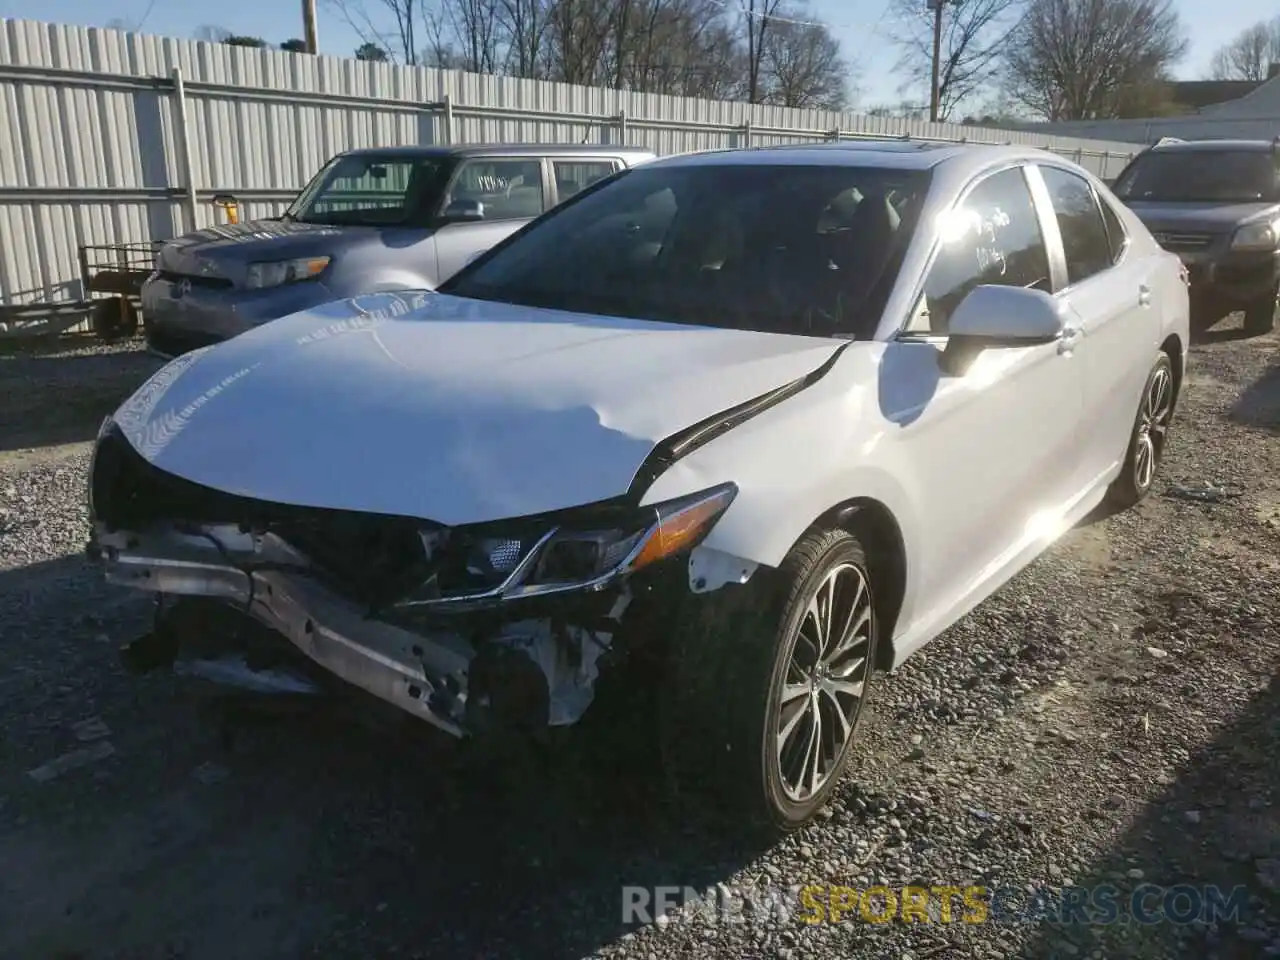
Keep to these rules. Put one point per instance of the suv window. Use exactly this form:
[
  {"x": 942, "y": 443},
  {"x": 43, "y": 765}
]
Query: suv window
[
  {"x": 994, "y": 237},
  {"x": 507, "y": 189},
  {"x": 1201, "y": 176},
  {"x": 575, "y": 175},
  {"x": 738, "y": 246},
  {"x": 1084, "y": 234}
]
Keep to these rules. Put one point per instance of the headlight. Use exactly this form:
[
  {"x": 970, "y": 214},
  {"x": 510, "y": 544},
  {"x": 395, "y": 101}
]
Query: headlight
[
  {"x": 586, "y": 557},
  {"x": 569, "y": 558},
  {"x": 276, "y": 272},
  {"x": 1257, "y": 236}
]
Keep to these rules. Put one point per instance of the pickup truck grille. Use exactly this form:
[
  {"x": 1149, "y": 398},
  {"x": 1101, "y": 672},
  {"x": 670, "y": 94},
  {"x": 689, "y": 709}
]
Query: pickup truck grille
[{"x": 1183, "y": 242}]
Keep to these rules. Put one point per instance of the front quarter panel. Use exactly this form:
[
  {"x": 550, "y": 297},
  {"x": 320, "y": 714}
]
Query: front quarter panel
[{"x": 794, "y": 462}]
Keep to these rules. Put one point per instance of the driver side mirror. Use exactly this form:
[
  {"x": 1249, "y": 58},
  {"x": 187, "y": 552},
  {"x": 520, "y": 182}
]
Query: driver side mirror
[
  {"x": 995, "y": 317},
  {"x": 464, "y": 211}
]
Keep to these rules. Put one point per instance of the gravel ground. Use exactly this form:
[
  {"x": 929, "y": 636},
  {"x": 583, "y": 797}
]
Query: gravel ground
[{"x": 1111, "y": 717}]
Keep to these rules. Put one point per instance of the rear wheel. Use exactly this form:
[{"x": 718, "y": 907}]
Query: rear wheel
[
  {"x": 767, "y": 686},
  {"x": 1147, "y": 441},
  {"x": 1260, "y": 316}
]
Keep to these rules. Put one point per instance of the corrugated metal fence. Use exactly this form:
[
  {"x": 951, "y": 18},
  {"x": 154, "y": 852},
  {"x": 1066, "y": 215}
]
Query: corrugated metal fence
[{"x": 109, "y": 138}]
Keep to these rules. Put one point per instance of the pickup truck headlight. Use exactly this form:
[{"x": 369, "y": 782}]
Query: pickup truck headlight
[
  {"x": 273, "y": 273},
  {"x": 1257, "y": 236}
]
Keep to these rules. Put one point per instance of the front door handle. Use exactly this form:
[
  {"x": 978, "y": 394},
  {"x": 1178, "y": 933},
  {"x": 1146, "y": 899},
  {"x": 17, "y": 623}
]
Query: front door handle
[{"x": 1144, "y": 296}]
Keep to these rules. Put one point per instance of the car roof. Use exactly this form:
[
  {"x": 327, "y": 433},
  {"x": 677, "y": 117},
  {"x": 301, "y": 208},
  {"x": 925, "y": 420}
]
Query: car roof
[
  {"x": 892, "y": 154},
  {"x": 1202, "y": 146},
  {"x": 502, "y": 149}
]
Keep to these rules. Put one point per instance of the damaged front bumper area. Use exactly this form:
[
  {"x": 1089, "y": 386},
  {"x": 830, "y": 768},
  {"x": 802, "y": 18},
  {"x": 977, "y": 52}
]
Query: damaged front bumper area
[{"x": 466, "y": 629}]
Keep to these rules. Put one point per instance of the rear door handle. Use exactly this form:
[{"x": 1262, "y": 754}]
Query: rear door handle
[{"x": 1144, "y": 296}]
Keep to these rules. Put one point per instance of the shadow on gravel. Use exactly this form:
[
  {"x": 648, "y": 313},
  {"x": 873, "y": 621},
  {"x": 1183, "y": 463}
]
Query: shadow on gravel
[
  {"x": 1259, "y": 403},
  {"x": 317, "y": 831},
  {"x": 1218, "y": 335},
  {"x": 1217, "y": 825},
  {"x": 53, "y": 399}
]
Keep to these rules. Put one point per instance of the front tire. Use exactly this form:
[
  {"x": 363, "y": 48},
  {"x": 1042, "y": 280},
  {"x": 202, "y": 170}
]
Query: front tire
[
  {"x": 1260, "y": 316},
  {"x": 1148, "y": 438},
  {"x": 767, "y": 686}
]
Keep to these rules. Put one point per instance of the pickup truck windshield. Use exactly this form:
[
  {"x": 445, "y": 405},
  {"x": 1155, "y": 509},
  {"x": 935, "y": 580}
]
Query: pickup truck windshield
[
  {"x": 775, "y": 248},
  {"x": 1201, "y": 176},
  {"x": 376, "y": 191}
]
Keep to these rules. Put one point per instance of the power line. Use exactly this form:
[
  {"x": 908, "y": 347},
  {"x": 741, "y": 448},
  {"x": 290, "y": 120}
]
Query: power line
[
  {"x": 875, "y": 28},
  {"x": 145, "y": 14}
]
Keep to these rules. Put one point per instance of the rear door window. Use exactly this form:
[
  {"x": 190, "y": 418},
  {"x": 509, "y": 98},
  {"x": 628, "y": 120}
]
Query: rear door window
[
  {"x": 1117, "y": 237},
  {"x": 573, "y": 176},
  {"x": 1084, "y": 233}
]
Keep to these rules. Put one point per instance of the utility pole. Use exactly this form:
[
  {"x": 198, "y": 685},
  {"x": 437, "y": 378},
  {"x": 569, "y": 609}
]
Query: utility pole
[
  {"x": 936, "y": 7},
  {"x": 309, "y": 26}
]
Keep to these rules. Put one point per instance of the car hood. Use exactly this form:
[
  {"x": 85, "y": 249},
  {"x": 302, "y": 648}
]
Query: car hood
[
  {"x": 1200, "y": 217},
  {"x": 226, "y": 250},
  {"x": 457, "y": 411}
]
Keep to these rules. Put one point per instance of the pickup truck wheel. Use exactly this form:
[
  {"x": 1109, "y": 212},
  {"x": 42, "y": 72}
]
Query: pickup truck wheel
[
  {"x": 1260, "y": 316},
  {"x": 1148, "y": 438},
  {"x": 767, "y": 685}
]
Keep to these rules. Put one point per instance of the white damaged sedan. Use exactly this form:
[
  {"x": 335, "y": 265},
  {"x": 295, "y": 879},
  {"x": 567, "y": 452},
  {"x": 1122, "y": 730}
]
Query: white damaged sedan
[{"x": 739, "y": 428}]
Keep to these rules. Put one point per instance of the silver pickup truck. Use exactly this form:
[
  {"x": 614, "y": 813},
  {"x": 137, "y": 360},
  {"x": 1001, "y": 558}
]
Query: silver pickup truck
[{"x": 391, "y": 218}]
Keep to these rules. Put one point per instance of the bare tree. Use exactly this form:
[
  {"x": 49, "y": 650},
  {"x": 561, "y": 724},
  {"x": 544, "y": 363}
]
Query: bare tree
[
  {"x": 475, "y": 27},
  {"x": 390, "y": 24},
  {"x": 581, "y": 38},
  {"x": 1084, "y": 59},
  {"x": 685, "y": 48},
  {"x": 757, "y": 21},
  {"x": 802, "y": 67},
  {"x": 973, "y": 37},
  {"x": 1250, "y": 55},
  {"x": 525, "y": 23},
  {"x": 762, "y": 50}
]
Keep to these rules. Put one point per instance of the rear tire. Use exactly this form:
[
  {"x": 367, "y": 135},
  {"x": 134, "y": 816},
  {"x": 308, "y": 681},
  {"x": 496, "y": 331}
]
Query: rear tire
[
  {"x": 1260, "y": 316},
  {"x": 1148, "y": 438},
  {"x": 767, "y": 686}
]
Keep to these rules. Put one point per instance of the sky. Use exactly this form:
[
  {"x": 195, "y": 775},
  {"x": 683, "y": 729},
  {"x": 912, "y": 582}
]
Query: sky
[{"x": 861, "y": 26}]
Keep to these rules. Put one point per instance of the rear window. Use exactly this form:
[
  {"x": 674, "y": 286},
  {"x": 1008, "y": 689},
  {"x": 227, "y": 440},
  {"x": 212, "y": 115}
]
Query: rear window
[
  {"x": 1201, "y": 176},
  {"x": 785, "y": 249}
]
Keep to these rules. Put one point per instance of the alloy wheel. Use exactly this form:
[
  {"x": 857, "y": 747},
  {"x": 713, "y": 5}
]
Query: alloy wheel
[
  {"x": 1153, "y": 425},
  {"x": 826, "y": 674}
]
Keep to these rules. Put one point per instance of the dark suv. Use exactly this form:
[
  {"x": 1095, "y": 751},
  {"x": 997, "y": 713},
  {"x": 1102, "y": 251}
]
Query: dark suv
[{"x": 1216, "y": 204}]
